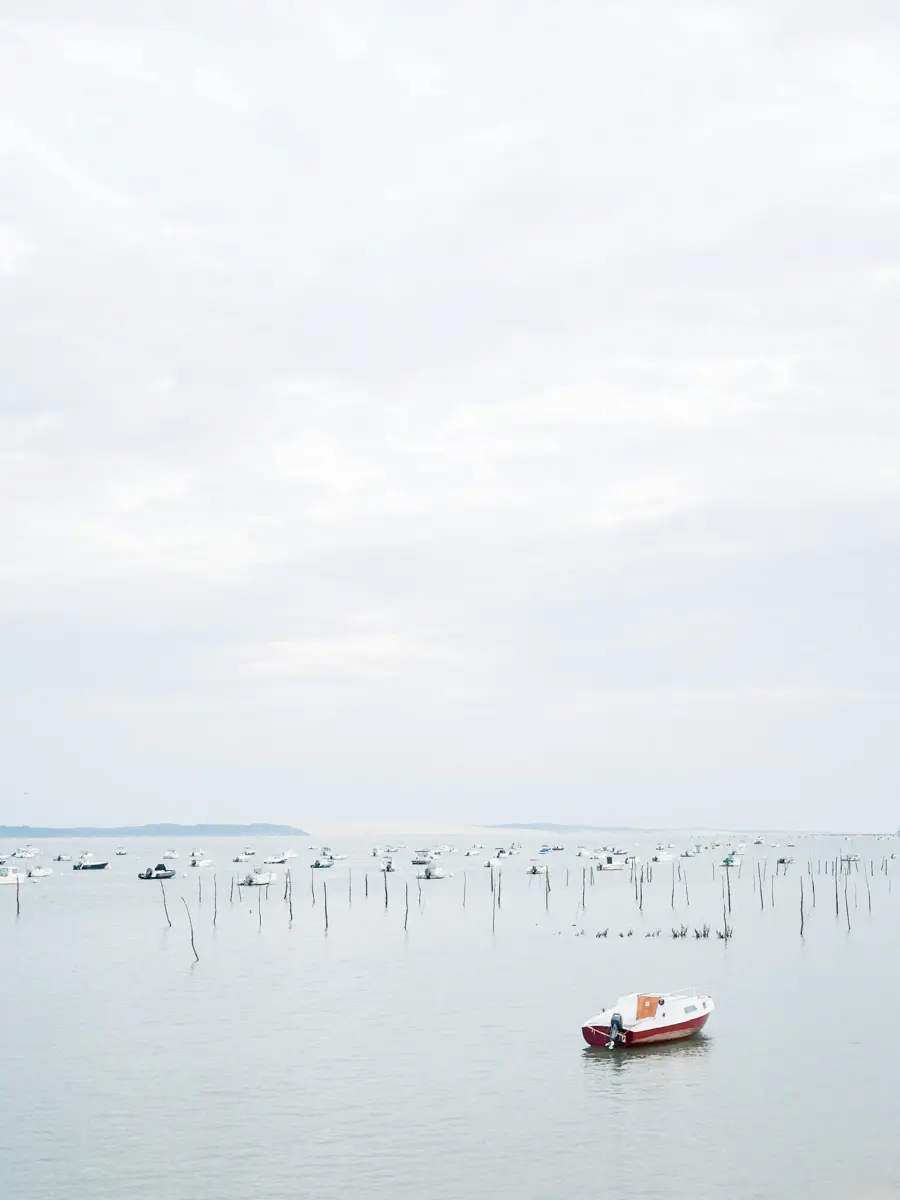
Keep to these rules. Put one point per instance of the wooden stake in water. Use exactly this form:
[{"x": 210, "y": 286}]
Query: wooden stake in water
[
  {"x": 231, "y": 892},
  {"x": 325, "y": 899},
  {"x": 366, "y": 881},
  {"x": 837, "y": 902},
  {"x": 191, "y": 926},
  {"x": 801, "y": 906},
  {"x": 350, "y": 886},
  {"x": 494, "y": 913},
  {"x": 673, "y": 885},
  {"x": 846, "y": 905},
  {"x": 312, "y": 885},
  {"x": 728, "y": 881},
  {"x": 385, "y": 890},
  {"x": 290, "y": 900},
  {"x": 406, "y": 914},
  {"x": 162, "y": 888},
  {"x": 259, "y": 905},
  {"x": 583, "y": 884},
  {"x": 868, "y": 891},
  {"x": 18, "y": 880},
  {"x": 687, "y": 898},
  {"x": 500, "y": 889},
  {"x": 759, "y": 874}
]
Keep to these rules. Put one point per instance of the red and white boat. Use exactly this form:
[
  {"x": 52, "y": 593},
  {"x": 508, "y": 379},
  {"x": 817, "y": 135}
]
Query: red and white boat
[{"x": 642, "y": 1018}]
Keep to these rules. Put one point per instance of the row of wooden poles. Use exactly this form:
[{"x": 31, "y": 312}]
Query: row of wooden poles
[{"x": 839, "y": 868}]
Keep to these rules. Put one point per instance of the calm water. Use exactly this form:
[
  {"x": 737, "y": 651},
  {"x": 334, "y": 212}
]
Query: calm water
[{"x": 446, "y": 1061}]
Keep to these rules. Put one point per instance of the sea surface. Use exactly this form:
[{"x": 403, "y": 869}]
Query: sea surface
[{"x": 446, "y": 1060}]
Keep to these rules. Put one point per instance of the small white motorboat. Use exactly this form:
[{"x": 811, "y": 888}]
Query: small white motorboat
[
  {"x": 422, "y": 858},
  {"x": 388, "y": 867},
  {"x": 63, "y": 858},
  {"x": 537, "y": 869},
  {"x": 258, "y": 878},
  {"x": 11, "y": 875},
  {"x": 160, "y": 871},
  {"x": 248, "y": 851},
  {"x": 432, "y": 871},
  {"x": 661, "y": 857},
  {"x": 241, "y": 858},
  {"x": 322, "y": 864},
  {"x": 121, "y": 852},
  {"x": 197, "y": 853},
  {"x": 200, "y": 862},
  {"x": 39, "y": 872},
  {"x": 274, "y": 860},
  {"x": 643, "y": 1018},
  {"x": 24, "y": 852},
  {"x": 171, "y": 854},
  {"x": 612, "y": 862}
]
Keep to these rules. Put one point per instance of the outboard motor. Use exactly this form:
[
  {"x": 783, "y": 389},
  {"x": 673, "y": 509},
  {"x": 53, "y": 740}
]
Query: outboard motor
[{"x": 616, "y": 1030}]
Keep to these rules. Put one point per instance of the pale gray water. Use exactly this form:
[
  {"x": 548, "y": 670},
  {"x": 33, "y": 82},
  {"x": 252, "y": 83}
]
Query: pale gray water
[{"x": 448, "y": 1061}]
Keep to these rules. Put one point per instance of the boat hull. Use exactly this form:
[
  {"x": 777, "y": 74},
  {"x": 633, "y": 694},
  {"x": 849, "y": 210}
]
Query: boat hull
[
  {"x": 90, "y": 866},
  {"x": 598, "y": 1035}
]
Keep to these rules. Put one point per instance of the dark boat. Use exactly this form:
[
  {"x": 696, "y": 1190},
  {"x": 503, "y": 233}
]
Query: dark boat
[
  {"x": 160, "y": 871},
  {"x": 86, "y": 863}
]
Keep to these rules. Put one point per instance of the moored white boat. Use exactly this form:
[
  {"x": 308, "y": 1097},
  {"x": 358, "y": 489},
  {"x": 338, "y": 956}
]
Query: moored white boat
[
  {"x": 322, "y": 864},
  {"x": 171, "y": 854},
  {"x": 200, "y": 862},
  {"x": 644, "y": 1018},
  {"x": 11, "y": 875},
  {"x": 258, "y": 878},
  {"x": 612, "y": 862},
  {"x": 39, "y": 872},
  {"x": 432, "y": 871},
  {"x": 24, "y": 852},
  {"x": 63, "y": 858},
  {"x": 160, "y": 871},
  {"x": 121, "y": 851}
]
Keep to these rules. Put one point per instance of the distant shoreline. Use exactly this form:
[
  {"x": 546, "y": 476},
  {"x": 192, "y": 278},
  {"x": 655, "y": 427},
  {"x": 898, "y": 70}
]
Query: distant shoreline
[{"x": 163, "y": 830}]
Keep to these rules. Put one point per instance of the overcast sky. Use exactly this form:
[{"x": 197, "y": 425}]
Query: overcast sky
[{"x": 481, "y": 411}]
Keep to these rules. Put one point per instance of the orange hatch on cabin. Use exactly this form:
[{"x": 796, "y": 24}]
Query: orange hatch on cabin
[{"x": 646, "y": 1006}]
